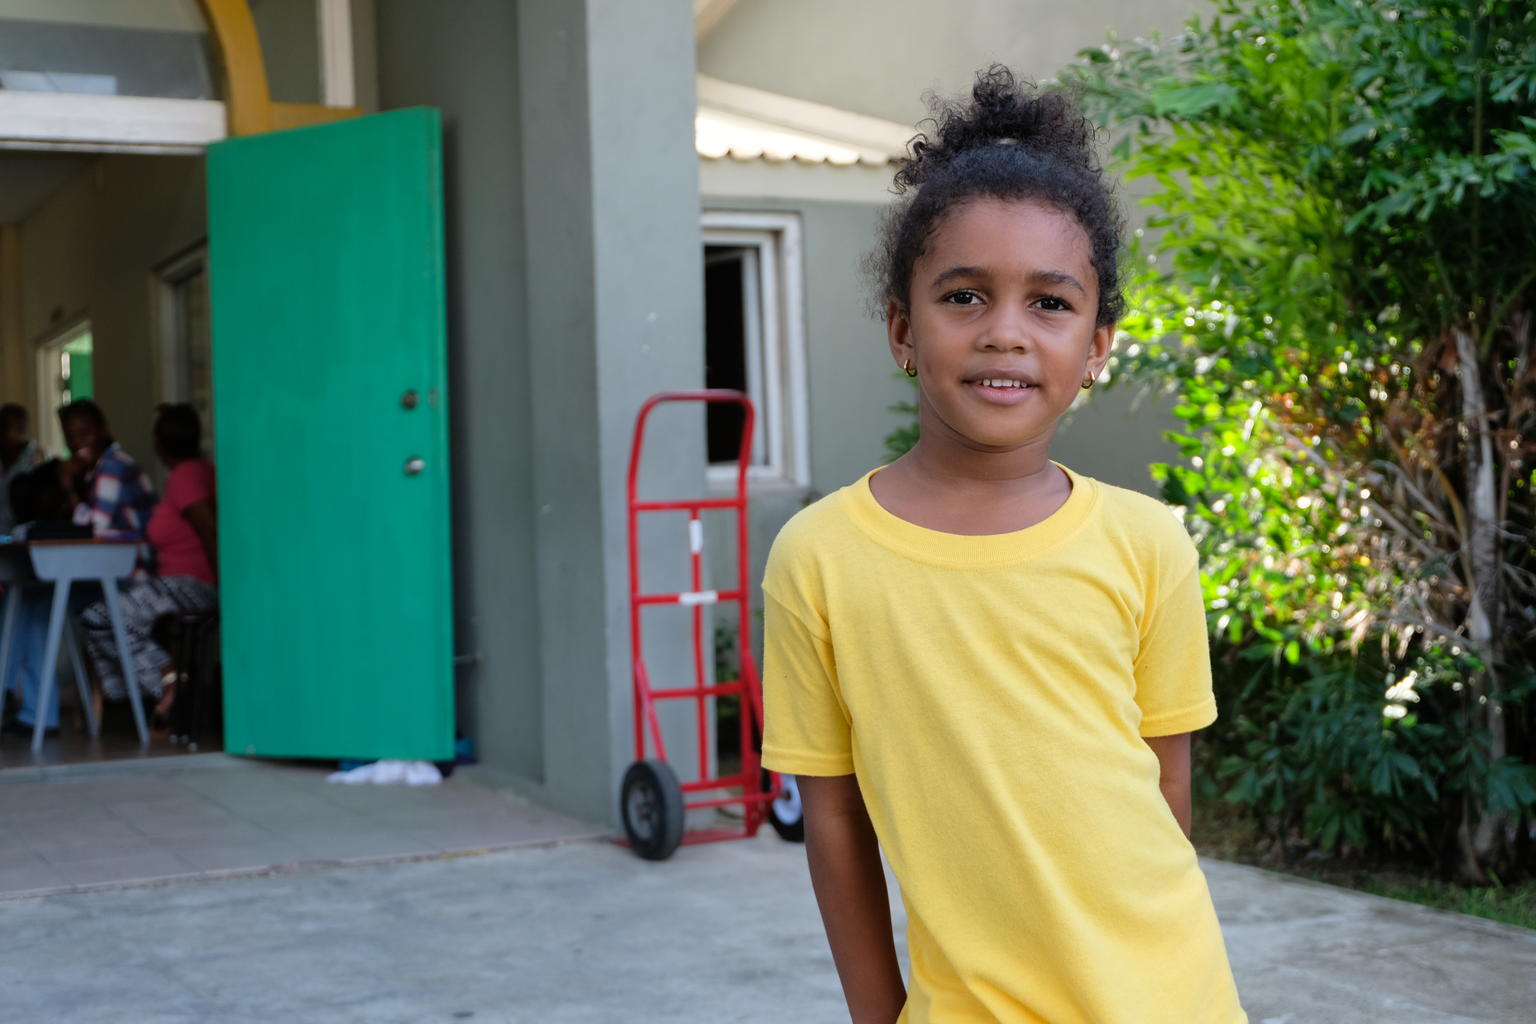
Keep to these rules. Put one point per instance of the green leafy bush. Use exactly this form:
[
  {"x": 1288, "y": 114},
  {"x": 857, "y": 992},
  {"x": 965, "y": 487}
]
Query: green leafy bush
[
  {"x": 903, "y": 436},
  {"x": 1338, "y": 284}
]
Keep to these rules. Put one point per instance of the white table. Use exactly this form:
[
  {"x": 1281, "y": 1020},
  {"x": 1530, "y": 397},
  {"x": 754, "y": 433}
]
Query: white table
[{"x": 62, "y": 563}]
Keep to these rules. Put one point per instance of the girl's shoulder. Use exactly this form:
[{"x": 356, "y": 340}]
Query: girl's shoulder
[
  {"x": 1146, "y": 527},
  {"x": 814, "y": 525},
  {"x": 812, "y": 536}
]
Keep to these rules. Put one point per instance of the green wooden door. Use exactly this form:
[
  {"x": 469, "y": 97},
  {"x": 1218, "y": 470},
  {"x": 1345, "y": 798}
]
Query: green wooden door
[{"x": 326, "y": 272}]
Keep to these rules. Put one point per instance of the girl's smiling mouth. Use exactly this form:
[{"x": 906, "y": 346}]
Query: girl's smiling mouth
[{"x": 1005, "y": 390}]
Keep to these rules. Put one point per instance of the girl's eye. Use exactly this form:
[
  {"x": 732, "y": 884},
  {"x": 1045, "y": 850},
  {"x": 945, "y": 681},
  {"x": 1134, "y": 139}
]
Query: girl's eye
[
  {"x": 1054, "y": 304},
  {"x": 963, "y": 297}
]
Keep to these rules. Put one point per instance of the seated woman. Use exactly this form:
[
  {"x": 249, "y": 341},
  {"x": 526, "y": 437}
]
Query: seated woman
[{"x": 183, "y": 532}]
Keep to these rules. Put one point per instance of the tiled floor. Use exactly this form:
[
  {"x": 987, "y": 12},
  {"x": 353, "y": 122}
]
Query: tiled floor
[
  {"x": 75, "y": 746},
  {"x": 72, "y": 744},
  {"x": 84, "y": 825}
]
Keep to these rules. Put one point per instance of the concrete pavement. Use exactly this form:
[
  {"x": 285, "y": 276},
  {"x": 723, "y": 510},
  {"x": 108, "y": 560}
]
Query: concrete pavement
[
  {"x": 100, "y": 825},
  {"x": 584, "y": 933}
]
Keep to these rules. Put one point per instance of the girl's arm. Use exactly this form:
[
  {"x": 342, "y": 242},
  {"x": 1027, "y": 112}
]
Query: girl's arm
[
  {"x": 849, "y": 881},
  {"x": 1173, "y": 774}
]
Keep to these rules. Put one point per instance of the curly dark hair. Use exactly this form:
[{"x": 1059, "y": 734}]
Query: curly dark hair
[
  {"x": 1010, "y": 141},
  {"x": 82, "y": 407}
]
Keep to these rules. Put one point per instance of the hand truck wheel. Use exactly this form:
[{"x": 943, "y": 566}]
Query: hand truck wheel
[
  {"x": 785, "y": 813},
  {"x": 651, "y": 807}
]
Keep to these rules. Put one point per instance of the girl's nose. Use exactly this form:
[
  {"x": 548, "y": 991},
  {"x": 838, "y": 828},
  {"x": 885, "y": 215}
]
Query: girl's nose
[{"x": 1006, "y": 330}]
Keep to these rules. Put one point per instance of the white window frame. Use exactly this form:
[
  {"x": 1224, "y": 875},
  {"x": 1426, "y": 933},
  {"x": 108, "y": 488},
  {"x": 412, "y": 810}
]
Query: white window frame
[
  {"x": 775, "y": 328},
  {"x": 169, "y": 277},
  {"x": 108, "y": 124},
  {"x": 338, "y": 81}
]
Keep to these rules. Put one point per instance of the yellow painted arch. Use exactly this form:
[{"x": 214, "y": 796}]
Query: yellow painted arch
[{"x": 248, "y": 102}]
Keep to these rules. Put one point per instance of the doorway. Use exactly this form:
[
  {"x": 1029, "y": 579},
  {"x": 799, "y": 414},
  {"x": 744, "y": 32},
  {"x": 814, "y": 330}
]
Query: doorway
[
  {"x": 318, "y": 556},
  {"x": 307, "y": 505},
  {"x": 65, "y": 373},
  {"x": 107, "y": 300}
]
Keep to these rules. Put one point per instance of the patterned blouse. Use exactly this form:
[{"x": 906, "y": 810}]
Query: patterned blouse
[{"x": 121, "y": 496}]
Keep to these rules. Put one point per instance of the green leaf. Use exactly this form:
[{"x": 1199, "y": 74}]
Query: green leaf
[{"x": 1180, "y": 99}]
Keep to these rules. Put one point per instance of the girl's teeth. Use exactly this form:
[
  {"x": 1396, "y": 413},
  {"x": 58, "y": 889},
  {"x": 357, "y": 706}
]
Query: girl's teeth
[{"x": 1003, "y": 383}]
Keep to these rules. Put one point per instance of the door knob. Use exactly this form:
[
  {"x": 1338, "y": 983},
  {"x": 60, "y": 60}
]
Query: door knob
[{"x": 414, "y": 465}]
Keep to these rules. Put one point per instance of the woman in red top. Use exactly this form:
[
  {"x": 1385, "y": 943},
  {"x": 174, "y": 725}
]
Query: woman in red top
[{"x": 183, "y": 531}]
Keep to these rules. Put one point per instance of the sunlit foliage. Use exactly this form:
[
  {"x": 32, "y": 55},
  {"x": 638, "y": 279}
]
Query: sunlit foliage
[{"x": 1336, "y": 280}]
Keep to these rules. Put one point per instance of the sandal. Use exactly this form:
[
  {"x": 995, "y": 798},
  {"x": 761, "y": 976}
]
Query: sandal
[{"x": 161, "y": 717}]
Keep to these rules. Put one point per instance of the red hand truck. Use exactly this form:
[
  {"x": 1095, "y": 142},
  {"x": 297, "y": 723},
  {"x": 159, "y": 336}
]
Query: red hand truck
[{"x": 652, "y": 803}]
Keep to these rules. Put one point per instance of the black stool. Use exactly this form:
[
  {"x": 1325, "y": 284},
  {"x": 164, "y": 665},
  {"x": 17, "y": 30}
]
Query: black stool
[{"x": 192, "y": 639}]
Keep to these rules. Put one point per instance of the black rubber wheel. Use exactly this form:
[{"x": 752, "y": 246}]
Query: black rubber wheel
[
  {"x": 785, "y": 813},
  {"x": 651, "y": 807}
]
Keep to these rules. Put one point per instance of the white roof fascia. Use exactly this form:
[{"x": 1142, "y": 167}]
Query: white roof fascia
[
  {"x": 749, "y": 123},
  {"x": 723, "y": 183},
  {"x": 58, "y": 120}
]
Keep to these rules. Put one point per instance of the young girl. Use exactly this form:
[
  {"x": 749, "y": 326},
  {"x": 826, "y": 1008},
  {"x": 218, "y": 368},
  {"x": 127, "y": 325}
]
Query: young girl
[{"x": 981, "y": 661}]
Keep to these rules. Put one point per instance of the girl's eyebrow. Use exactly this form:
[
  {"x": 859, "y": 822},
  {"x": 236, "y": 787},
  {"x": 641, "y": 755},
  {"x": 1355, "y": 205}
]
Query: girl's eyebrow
[
  {"x": 1045, "y": 277},
  {"x": 954, "y": 272},
  {"x": 1058, "y": 277}
]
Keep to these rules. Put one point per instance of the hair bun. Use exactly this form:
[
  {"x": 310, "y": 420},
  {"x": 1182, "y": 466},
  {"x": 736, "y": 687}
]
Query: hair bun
[{"x": 1001, "y": 111}]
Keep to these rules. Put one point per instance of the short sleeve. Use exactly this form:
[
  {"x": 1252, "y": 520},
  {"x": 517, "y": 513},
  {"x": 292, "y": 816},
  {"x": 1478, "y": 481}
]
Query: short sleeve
[
  {"x": 806, "y": 727},
  {"x": 1173, "y": 665}
]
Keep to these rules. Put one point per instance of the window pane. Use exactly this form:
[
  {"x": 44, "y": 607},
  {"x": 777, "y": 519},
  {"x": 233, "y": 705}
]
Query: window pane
[
  {"x": 725, "y": 346},
  {"x": 106, "y": 47}
]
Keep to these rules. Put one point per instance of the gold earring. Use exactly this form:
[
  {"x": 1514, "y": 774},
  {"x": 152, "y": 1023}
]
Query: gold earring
[
  {"x": 911, "y": 370},
  {"x": 1087, "y": 385}
]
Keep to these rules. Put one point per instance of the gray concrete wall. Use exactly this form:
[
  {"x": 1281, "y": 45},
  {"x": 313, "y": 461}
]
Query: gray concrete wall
[
  {"x": 466, "y": 66},
  {"x": 877, "y": 57},
  {"x": 574, "y": 295},
  {"x": 615, "y": 308},
  {"x": 365, "y": 54},
  {"x": 290, "y": 47}
]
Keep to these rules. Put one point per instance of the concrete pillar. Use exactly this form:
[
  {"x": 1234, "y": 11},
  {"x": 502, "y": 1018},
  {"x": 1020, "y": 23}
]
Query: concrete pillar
[
  {"x": 574, "y": 293},
  {"x": 615, "y": 313}
]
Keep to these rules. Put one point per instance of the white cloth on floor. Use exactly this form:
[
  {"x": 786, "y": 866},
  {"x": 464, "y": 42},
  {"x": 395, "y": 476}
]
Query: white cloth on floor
[{"x": 409, "y": 773}]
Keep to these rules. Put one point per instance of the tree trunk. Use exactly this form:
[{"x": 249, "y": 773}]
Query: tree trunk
[{"x": 1483, "y": 835}]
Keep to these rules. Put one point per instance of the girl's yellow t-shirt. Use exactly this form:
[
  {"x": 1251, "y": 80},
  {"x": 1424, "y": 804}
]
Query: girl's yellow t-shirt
[{"x": 991, "y": 694}]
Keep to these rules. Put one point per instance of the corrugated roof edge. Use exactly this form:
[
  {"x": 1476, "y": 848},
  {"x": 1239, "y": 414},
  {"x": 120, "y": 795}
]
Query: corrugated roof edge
[{"x": 875, "y": 140}]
